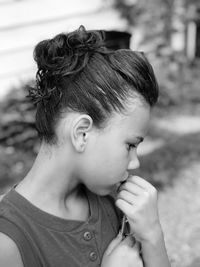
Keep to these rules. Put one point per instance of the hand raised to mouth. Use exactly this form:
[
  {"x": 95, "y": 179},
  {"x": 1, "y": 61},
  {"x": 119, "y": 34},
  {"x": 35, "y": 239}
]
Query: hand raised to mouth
[{"x": 137, "y": 199}]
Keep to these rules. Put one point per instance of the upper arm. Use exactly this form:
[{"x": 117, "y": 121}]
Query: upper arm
[{"x": 9, "y": 252}]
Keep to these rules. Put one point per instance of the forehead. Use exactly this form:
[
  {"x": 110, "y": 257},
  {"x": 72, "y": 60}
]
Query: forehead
[{"x": 134, "y": 121}]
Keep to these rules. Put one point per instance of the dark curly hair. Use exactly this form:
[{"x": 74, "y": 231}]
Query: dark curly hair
[{"x": 77, "y": 72}]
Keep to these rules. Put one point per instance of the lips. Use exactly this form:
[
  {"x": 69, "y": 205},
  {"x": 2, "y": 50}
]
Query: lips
[{"x": 119, "y": 185}]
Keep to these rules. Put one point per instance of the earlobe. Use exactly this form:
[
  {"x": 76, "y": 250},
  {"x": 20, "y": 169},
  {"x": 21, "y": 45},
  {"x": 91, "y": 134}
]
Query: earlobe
[{"x": 80, "y": 130}]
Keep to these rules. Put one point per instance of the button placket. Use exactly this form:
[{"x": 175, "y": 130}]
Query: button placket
[{"x": 92, "y": 253}]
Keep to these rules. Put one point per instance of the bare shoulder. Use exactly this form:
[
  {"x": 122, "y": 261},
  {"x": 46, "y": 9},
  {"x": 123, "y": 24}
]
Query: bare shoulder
[{"x": 9, "y": 252}]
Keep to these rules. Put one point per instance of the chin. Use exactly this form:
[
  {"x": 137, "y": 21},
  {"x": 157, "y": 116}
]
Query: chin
[{"x": 102, "y": 191}]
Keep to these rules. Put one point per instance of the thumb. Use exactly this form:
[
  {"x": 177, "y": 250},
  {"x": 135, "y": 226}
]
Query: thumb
[
  {"x": 129, "y": 241},
  {"x": 114, "y": 243}
]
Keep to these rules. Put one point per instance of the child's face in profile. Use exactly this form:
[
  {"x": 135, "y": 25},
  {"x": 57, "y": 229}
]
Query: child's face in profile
[{"x": 112, "y": 152}]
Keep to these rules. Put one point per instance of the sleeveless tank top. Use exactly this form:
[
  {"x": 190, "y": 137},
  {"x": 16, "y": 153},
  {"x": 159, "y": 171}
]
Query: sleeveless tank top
[{"x": 45, "y": 240}]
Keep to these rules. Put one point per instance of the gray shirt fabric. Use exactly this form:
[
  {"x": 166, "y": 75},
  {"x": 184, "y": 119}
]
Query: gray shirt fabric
[{"x": 56, "y": 241}]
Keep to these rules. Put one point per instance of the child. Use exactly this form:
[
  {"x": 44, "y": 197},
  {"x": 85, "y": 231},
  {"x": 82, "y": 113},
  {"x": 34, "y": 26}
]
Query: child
[{"x": 93, "y": 108}]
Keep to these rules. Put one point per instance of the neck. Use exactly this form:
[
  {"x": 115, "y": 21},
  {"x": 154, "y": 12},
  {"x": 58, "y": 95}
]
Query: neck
[{"x": 51, "y": 183}]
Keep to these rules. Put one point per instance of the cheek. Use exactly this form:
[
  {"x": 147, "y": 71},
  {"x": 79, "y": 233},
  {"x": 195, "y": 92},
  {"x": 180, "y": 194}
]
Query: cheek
[
  {"x": 110, "y": 155},
  {"x": 114, "y": 165},
  {"x": 109, "y": 158}
]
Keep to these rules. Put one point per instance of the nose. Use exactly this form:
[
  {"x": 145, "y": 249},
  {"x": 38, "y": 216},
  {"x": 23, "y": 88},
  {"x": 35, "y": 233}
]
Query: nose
[{"x": 134, "y": 162}]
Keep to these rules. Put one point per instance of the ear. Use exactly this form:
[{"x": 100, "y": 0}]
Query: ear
[{"x": 80, "y": 130}]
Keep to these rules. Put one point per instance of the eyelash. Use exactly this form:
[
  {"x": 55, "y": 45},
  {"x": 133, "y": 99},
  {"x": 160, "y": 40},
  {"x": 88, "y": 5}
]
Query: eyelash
[{"x": 131, "y": 146}]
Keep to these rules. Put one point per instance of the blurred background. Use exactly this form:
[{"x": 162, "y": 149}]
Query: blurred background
[{"x": 168, "y": 31}]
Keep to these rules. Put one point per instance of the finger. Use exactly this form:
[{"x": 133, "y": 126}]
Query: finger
[
  {"x": 125, "y": 207},
  {"x": 127, "y": 196},
  {"x": 128, "y": 241},
  {"x": 141, "y": 183},
  {"x": 113, "y": 244},
  {"x": 132, "y": 187},
  {"x": 137, "y": 246}
]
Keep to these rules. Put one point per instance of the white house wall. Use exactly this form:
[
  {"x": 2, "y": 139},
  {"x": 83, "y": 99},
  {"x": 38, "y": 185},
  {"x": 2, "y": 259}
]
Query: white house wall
[{"x": 24, "y": 23}]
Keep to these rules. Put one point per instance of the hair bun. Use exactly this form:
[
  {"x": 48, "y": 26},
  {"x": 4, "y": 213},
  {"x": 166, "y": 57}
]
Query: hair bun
[
  {"x": 68, "y": 53},
  {"x": 83, "y": 41}
]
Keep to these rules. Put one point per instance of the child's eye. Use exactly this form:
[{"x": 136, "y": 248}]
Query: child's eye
[{"x": 131, "y": 146}]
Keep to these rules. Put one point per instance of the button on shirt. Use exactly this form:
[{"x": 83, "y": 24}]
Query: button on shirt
[
  {"x": 93, "y": 256},
  {"x": 87, "y": 236}
]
